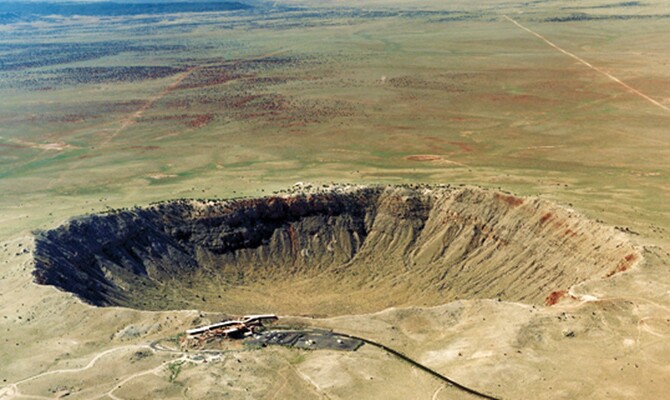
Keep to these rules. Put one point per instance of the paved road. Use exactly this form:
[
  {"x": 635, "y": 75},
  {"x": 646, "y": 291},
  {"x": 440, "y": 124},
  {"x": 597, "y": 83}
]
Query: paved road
[
  {"x": 439, "y": 376},
  {"x": 422, "y": 367}
]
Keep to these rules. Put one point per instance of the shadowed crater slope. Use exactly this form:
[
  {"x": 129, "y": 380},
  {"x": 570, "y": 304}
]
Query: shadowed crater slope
[{"x": 331, "y": 250}]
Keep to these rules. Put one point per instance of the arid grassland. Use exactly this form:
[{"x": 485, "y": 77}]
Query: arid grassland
[{"x": 547, "y": 119}]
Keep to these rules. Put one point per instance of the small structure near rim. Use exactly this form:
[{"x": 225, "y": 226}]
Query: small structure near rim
[{"x": 232, "y": 329}]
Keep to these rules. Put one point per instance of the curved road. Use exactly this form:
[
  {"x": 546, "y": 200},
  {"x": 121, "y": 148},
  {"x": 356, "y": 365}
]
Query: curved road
[
  {"x": 403, "y": 357},
  {"x": 422, "y": 367}
]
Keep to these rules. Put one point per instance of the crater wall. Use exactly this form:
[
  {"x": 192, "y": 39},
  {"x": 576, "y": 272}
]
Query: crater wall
[{"x": 329, "y": 251}]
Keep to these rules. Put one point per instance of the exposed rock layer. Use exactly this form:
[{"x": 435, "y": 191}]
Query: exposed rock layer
[{"x": 338, "y": 250}]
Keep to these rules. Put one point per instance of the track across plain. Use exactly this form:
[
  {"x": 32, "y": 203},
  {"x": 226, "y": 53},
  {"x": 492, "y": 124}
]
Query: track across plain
[{"x": 593, "y": 67}]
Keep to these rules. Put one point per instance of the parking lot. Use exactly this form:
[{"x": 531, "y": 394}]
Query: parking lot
[{"x": 307, "y": 339}]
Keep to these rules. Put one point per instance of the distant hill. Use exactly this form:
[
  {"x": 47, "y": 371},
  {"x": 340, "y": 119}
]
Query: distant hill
[{"x": 14, "y": 11}]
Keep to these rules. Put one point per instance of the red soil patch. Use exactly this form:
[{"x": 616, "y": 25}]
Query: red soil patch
[
  {"x": 546, "y": 217},
  {"x": 200, "y": 121},
  {"x": 433, "y": 139},
  {"x": 293, "y": 237},
  {"x": 554, "y": 297},
  {"x": 511, "y": 99},
  {"x": 623, "y": 265},
  {"x": 423, "y": 157},
  {"x": 13, "y": 146},
  {"x": 242, "y": 101},
  {"x": 463, "y": 146},
  {"x": 463, "y": 119},
  {"x": 513, "y": 201}
]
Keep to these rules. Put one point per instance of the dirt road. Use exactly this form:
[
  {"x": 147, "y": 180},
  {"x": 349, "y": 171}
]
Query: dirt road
[{"x": 593, "y": 67}]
